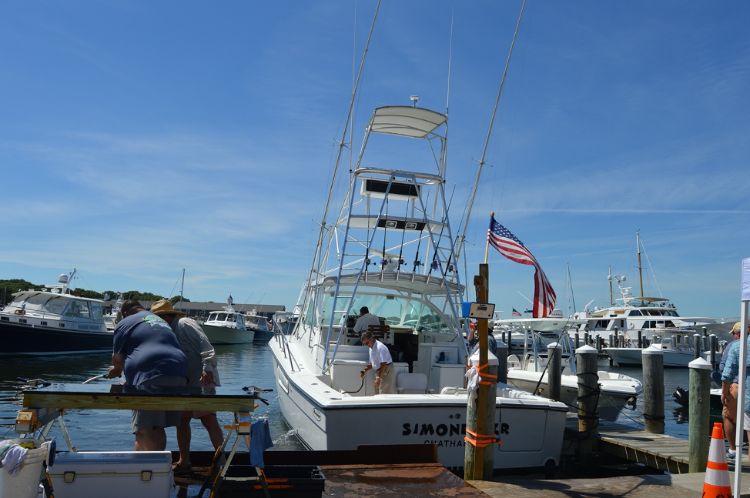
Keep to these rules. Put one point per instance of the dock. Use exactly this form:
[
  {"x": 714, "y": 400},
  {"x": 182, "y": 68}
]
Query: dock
[{"x": 658, "y": 451}]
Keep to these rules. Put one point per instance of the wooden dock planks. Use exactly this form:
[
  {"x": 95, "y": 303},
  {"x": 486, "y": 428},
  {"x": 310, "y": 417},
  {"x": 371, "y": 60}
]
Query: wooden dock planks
[{"x": 655, "y": 450}]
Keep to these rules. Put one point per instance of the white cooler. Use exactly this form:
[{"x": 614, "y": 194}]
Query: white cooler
[{"x": 123, "y": 474}]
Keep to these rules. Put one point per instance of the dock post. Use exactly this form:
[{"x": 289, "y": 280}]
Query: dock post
[
  {"x": 479, "y": 454},
  {"x": 585, "y": 339},
  {"x": 502, "y": 362},
  {"x": 510, "y": 342},
  {"x": 599, "y": 344},
  {"x": 640, "y": 339},
  {"x": 714, "y": 349},
  {"x": 578, "y": 340},
  {"x": 612, "y": 341},
  {"x": 588, "y": 396},
  {"x": 699, "y": 419},
  {"x": 697, "y": 341},
  {"x": 554, "y": 370},
  {"x": 616, "y": 343},
  {"x": 653, "y": 389}
]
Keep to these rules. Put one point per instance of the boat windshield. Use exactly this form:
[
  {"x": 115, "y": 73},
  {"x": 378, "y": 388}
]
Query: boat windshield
[
  {"x": 397, "y": 311},
  {"x": 59, "y": 305}
]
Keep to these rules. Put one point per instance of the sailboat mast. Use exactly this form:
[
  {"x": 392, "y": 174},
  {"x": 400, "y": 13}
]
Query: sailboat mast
[
  {"x": 638, "y": 249},
  {"x": 182, "y": 284},
  {"x": 611, "y": 296}
]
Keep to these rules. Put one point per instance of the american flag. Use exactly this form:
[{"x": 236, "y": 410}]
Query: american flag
[
  {"x": 516, "y": 312},
  {"x": 509, "y": 246}
]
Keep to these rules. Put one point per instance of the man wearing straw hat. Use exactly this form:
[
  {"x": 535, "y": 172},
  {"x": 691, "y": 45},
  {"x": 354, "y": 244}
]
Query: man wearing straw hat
[{"x": 202, "y": 372}]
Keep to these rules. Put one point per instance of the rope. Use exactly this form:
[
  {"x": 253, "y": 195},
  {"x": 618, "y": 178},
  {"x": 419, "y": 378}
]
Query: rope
[{"x": 481, "y": 440}]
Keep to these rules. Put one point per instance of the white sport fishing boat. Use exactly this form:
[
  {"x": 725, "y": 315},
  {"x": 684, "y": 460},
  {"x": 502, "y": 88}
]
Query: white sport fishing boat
[
  {"x": 390, "y": 248},
  {"x": 227, "y": 326}
]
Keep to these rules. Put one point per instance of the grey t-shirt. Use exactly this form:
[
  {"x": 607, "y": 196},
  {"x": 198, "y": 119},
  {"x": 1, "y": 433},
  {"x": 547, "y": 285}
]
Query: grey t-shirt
[{"x": 197, "y": 348}]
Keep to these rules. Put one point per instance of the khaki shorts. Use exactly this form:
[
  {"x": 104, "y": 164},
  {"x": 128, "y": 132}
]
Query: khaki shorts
[
  {"x": 729, "y": 410},
  {"x": 152, "y": 419}
]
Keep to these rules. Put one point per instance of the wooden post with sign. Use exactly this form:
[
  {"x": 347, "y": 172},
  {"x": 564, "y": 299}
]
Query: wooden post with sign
[{"x": 480, "y": 409}]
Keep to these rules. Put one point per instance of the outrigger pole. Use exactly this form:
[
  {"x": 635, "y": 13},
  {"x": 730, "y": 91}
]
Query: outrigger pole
[
  {"x": 467, "y": 214},
  {"x": 314, "y": 268}
]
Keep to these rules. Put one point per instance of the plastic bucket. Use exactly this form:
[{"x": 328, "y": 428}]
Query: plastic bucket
[{"x": 25, "y": 482}]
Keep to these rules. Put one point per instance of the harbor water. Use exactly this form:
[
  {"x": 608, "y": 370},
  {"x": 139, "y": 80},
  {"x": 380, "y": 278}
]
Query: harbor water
[{"x": 241, "y": 365}]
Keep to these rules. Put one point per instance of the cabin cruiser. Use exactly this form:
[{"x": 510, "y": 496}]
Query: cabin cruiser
[
  {"x": 525, "y": 330},
  {"x": 227, "y": 326},
  {"x": 389, "y": 246},
  {"x": 259, "y": 325},
  {"x": 53, "y": 321}
]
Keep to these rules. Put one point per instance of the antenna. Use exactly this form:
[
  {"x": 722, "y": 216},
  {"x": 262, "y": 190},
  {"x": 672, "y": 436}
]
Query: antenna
[{"x": 414, "y": 99}]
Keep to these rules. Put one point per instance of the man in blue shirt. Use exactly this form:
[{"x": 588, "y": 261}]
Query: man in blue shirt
[
  {"x": 729, "y": 376},
  {"x": 729, "y": 393},
  {"x": 146, "y": 351}
]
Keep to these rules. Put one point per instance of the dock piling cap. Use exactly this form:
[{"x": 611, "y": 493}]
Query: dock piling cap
[
  {"x": 653, "y": 349},
  {"x": 700, "y": 364},
  {"x": 586, "y": 350}
]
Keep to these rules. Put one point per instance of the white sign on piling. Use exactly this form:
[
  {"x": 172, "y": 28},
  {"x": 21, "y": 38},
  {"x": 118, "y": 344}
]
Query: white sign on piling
[{"x": 745, "y": 297}]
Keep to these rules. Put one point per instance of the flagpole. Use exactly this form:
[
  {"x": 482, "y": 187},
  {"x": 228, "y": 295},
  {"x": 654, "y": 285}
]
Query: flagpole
[{"x": 487, "y": 242}]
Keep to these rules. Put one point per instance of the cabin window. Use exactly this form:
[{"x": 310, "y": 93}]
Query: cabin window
[
  {"x": 78, "y": 309},
  {"x": 56, "y": 305},
  {"x": 634, "y": 313}
]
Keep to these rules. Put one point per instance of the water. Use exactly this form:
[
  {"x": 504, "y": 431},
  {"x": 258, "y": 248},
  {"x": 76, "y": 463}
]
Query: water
[
  {"x": 240, "y": 365},
  {"x": 675, "y": 417}
]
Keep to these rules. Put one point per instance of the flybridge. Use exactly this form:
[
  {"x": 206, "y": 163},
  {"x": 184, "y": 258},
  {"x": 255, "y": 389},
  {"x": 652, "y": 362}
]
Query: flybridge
[{"x": 394, "y": 189}]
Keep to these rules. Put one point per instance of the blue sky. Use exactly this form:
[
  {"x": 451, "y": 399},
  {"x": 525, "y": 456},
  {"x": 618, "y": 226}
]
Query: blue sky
[{"x": 139, "y": 138}]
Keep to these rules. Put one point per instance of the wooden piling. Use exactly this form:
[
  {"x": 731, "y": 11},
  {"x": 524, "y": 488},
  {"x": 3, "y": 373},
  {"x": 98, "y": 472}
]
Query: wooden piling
[
  {"x": 697, "y": 345},
  {"x": 714, "y": 349},
  {"x": 554, "y": 370},
  {"x": 640, "y": 339},
  {"x": 588, "y": 395},
  {"x": 502, "y": 362},
  {"x": 578, "y": 337},
  {"x": 585, "y": 339},
  {"x": 653, "y": 389},
  {"x": 699, "y": 420},
  {"x": 480, "y": 409}
]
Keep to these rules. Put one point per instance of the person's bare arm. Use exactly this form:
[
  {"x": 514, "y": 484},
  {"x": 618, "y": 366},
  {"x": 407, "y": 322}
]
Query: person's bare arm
[{"x": 118, "y": 362}]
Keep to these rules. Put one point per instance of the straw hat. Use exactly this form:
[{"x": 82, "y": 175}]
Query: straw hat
[{"x": 164, "y": 307}]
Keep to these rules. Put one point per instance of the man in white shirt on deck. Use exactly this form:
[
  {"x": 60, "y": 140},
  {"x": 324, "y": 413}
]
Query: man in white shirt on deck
[{"x": 380, "y": 360}]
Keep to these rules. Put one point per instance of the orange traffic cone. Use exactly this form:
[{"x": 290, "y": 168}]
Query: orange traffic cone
[{"x": 716, "y": 483}]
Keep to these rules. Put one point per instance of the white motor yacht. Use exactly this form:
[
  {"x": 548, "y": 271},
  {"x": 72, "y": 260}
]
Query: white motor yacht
[{"x": 389, "y": 246}]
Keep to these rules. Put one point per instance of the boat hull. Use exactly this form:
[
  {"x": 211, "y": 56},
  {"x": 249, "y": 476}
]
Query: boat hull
[
  {"x": 626, "y": 357},
  {"x": 34, "y": 339},
  {"x": 437, "y": 419},
  {"x": 262, "y": 335},
  {"x": 219, "y": 336},
  {"x": 610, "y": 403}
]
